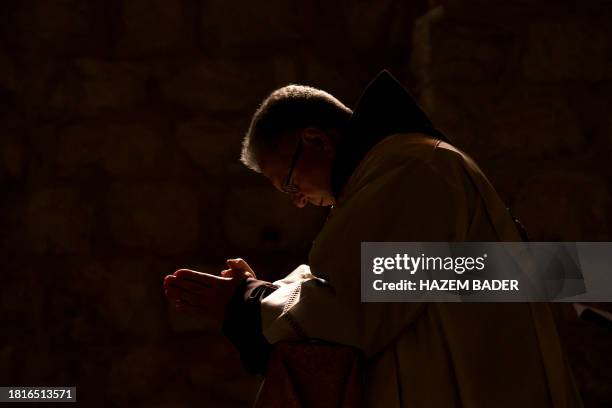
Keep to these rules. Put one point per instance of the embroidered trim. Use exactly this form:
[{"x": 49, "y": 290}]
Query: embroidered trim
[
  {"x": 288, "y": 304},
  {"x": 294, "y": 325},
  {"x": 292, "y": 297}
]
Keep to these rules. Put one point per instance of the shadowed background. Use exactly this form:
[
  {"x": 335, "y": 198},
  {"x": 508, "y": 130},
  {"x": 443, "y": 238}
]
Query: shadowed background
[{"x": 120, "y": 130}]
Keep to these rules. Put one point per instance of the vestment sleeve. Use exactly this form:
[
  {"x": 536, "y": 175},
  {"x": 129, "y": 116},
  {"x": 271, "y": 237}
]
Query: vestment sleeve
[
  {"x": 413, "y": 202},
  {"x": 242, "y": 324}
]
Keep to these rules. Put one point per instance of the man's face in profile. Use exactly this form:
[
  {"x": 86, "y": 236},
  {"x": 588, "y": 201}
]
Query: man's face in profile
[{"x": 301, "y": 167}]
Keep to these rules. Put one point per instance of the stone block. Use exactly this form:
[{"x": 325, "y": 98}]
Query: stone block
[
  {"x": 379, "y": 26},
  {"x": 369, "y": 22},
  {"x": 15, "y": 237},
  {"x": 59, "y": 28},
  {"x": 8, "y": 72},
  {"x": 160, "y": 217},
  {"x": 447, "y": 48},
  {"x": 150, "y": 27},
  {"x": 79, "y": 146},
  {"x": 450, "y": 113},
  {"x": 262, "y": 217},
  {"x": 124, "y": 150},
  {"x": 529, "y": 124},
  {"x": 558, "y": 205},
  {"x": 255, "y": 27},
  {"x": 12, "y": 159},
  {"x": 134, "y": 298},
  {"x": 176, "y": 392},
  {"x": 138, "y": 371},
  {"x": 59, "y": 221},
  {"x": 211, "y": 356},
  {"x": 100, "y": 299},
  {"x": 524, "y": 121},
  {"x": 285, "y": 70},
  {"x": 89, "y": 277},
  {"x": 132, "y": 150},
  {"x": 9, "y": 356},
  {"x": 335, "y": 75},
  {"x": 110, "y": 86},
  {"x": 219, "y": 86},
  {"x": 212, "y": 145},
  {"x": 571, "y": 47}
]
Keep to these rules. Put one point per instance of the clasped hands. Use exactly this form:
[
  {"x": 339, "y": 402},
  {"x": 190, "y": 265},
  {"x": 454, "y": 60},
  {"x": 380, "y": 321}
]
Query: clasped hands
[{"x": 204, "y": 294}]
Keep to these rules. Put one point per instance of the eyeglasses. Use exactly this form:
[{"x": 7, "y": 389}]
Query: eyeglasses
[{"x": 288, "y": 187}]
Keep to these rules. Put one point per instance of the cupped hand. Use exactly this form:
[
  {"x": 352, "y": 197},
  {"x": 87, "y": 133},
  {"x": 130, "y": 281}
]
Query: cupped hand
[{"x": 201, "y": 293}]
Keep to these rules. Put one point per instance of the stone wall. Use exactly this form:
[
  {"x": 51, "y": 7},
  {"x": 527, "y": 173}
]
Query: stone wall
[
  {"x": 525, "y": 87},
  {"x": 120, "y": 130},
  {"x": 120, "y": 127}
]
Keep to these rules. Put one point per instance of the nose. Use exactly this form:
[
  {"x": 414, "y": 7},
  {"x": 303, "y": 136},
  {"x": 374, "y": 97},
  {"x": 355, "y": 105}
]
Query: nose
[{"x": 299, "y": 200}]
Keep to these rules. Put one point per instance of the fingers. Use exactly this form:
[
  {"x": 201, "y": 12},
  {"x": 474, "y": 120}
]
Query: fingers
[
  {"x": 200, "y": 289},
  {"x": 192, "y": 289},
  {"x": 182, "y": 287},
  {"x": 191, "y": 286},
  {"x": 176, "y": 294},
  {"x": 240, "y": 264},
  {"x": 236, "y": 273},
  {"x": 184, "y": 307},
  {"x": 198, "y": 277}
]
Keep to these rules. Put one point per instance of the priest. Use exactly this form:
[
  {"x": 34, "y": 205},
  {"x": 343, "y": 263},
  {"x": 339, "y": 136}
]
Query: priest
[{"x": 388, "y": 175}]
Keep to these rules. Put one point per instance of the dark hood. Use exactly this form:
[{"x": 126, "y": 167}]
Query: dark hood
[{"x": 384, "y": 108}]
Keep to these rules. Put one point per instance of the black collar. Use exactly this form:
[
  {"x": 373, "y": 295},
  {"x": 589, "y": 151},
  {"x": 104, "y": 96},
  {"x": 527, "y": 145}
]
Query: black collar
[{"x": 384, "y": 108}]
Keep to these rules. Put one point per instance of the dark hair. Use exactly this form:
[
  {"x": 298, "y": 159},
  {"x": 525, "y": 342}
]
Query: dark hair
[{"x": 287, "y": 110}]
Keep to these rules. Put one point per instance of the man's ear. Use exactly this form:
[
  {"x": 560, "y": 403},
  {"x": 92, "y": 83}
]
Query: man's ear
[{"x": 317, "y": 138}]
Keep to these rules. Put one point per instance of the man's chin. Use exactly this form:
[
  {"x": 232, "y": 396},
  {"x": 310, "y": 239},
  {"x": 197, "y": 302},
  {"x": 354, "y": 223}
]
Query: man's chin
[
  {"x": 323, "y": 202},
  {"x": 320, "y": 201}
]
